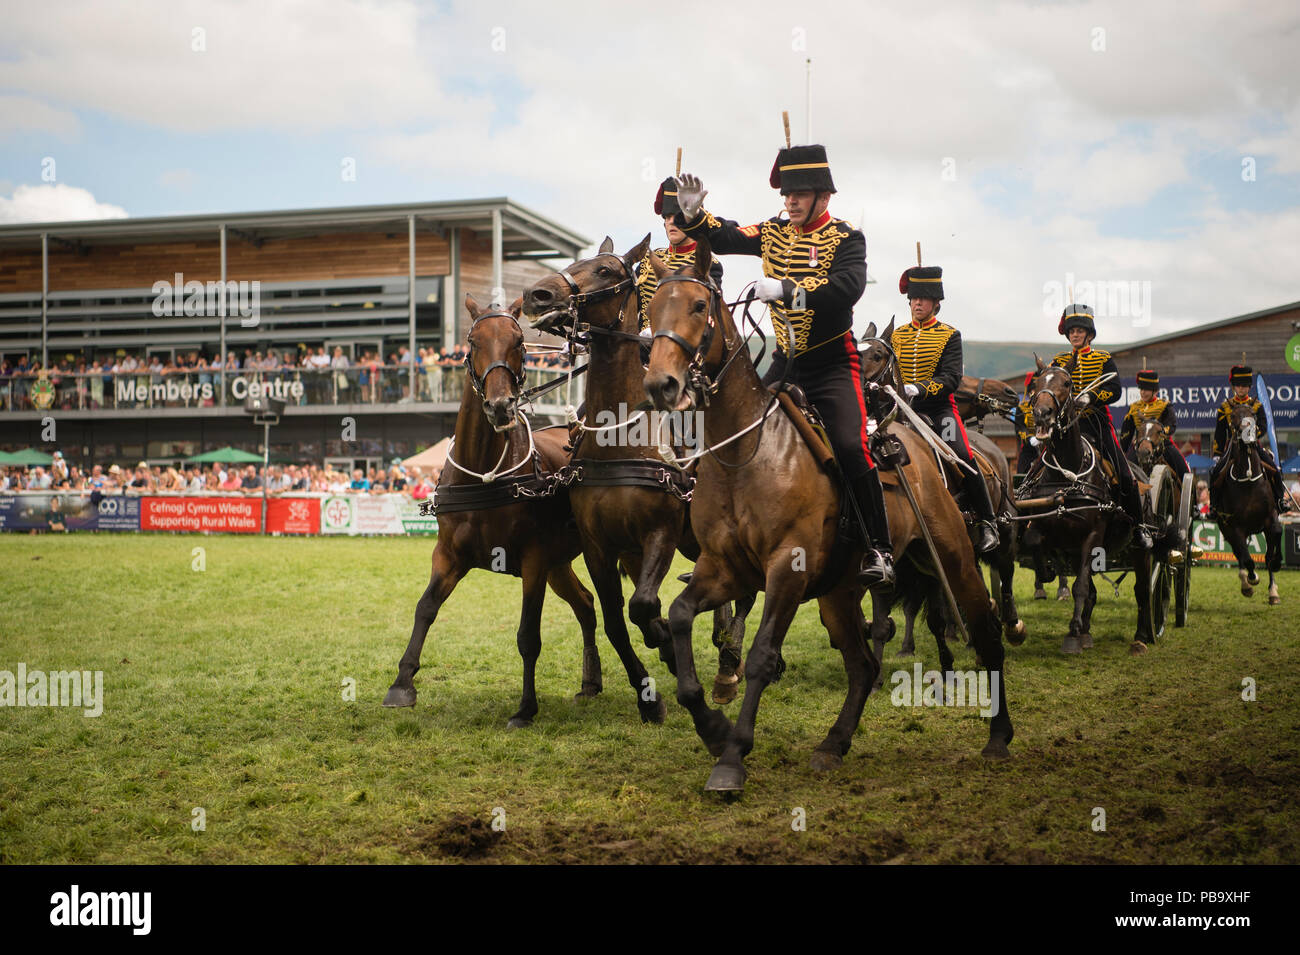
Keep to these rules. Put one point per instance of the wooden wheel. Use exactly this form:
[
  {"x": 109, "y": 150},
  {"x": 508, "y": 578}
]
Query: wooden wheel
[
  {"x": 1163, "y": 501},
  {"x": 1183, "y": 574}
]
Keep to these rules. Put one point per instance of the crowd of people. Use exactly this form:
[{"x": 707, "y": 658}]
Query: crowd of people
[
  {"x": 219, "y": 478},
  {"x": 327, "y": 377}
]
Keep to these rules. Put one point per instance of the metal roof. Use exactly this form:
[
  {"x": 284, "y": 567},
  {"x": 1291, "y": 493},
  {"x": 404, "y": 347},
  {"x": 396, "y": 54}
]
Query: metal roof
[
  {"x": 523, "y": 229},
  {"x": 1208, "y": 326}
]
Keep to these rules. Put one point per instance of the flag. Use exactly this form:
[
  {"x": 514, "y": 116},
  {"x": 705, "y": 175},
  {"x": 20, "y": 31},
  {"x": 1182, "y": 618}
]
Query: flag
[{"x": 1262, "y": 392}]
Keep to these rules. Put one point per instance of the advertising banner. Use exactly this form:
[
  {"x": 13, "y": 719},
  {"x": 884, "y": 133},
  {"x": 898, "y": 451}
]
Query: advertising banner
[
  {"x": 1196, "y": 400},
  {"x": 382, "y": 514},
  {"x": 26, "y": 512},
  {"x": 293, "y": 515},
  {"x": 118, "y": 513},
  {"x": 1207, "y": 536},
  {"x": 222, "y": 515}
]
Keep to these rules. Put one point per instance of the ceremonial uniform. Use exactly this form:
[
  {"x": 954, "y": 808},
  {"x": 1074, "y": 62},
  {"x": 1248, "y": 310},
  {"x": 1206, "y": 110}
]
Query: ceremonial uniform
[
  {"x": 675, "y": 257},
  {"x": 930, "y": 360},
  {"x": 1094, "y": 419},
  {"x": 1022, "y": 419},
  {"x": 822, "y": 270},
  {"x": 1242, "y": 375},
  {"x": 1157, "y": 409}
]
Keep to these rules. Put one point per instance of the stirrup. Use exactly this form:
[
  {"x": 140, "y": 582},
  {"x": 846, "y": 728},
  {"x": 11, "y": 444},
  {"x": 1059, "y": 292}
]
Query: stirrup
[{"x": 877, "y": 568}]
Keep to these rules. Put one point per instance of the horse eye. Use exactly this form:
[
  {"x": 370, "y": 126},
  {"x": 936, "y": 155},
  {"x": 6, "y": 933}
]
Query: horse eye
[
  {"x": 699, "y": 306},
  {"x": 603, "y": 270}
]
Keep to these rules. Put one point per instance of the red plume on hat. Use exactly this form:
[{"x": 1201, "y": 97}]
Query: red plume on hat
[{"x": 902, "y": 282}]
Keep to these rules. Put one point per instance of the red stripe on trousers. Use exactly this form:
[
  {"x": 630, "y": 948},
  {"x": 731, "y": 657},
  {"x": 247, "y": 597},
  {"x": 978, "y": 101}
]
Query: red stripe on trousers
[
  {"x": 952, "y": 401},
  {"x": 855, "y": 370}
]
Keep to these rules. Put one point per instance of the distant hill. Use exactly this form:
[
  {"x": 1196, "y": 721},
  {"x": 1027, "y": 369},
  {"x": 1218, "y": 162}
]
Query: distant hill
[{"x": 1004, "y": 359}]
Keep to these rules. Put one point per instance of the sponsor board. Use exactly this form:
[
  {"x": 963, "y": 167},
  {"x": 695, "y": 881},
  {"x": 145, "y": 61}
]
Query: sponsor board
[
  {"x": 293, "y": 515},
  {"x": 222, "y": 515},
  {"x": 381, "y": 514}
]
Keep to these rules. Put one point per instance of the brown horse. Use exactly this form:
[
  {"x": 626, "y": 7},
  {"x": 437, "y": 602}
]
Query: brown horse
[
  {"x": 1244, "y": 503},
  {"x": 629, "y": 503},
  {"x": 766, "y": 515},
  {"x": 877, "y": 361},
  {"x": 1093, "y": 523},
  {"x": 490, "y": 518},
  {"x": 977, "y": 397}
]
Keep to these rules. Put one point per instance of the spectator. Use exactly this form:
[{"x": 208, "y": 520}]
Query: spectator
[
  {"x": 54, "y": 517},
  {"x": 360, "y": 484},
  {"x": 252, "y": 482},
  {"x": 230, "y": 481}
]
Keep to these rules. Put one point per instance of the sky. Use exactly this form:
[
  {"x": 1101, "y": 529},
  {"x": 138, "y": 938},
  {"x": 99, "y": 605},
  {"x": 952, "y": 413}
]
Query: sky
[{"x": 1145, "y": 156}]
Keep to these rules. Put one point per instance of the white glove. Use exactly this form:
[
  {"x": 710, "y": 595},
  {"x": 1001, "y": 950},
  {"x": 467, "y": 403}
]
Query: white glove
[
  {"x": 1033, "y": 441},
  {"x": 1084, "y": 400},
  {"x": 911, "y": 390},
  {"x": 770, "y": 290},
  {"x": 690, "y": 195}
]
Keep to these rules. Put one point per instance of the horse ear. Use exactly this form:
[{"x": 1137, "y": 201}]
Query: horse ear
[
  {"x": 607, "y": 245},
  {"x": 887, "y": 335},
  {"x": 869, "y": 333},
  {"x": 1041, "y": 366},
  {"x": 657, "y": 264},
  {"x": 517, "y": 307},
  {"x": 703, "y": 258},
  {"x": 471, "y": 306},
  {"x": 637, "y": 253}
]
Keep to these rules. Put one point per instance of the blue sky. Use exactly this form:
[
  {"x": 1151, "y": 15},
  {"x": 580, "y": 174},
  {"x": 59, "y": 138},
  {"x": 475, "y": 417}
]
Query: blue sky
[{"x": 1088, "y": 138}]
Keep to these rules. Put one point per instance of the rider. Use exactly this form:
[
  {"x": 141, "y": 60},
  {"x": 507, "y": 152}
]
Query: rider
[
  {"x": 1022, "y": 419},
  {"x": 1150, "y": 407},
  {"x": 1240, "y": 378},
  {"x": 680, "y": 251},
  {"x": 814, "y": 268},
  {"x": 930, "y": 364},
  {"x": 1091, "y": 364}
]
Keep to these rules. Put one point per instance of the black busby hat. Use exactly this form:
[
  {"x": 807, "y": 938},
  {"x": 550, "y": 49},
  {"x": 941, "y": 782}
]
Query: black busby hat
[
  {"x": 666, "y": 198},
  {"x": 1240, "y": 375},
  {"x": 922, "y": 281},
  {"x": 1077, "y": 316},
  {"x": 1147, "y": 378},
  {"x": 802, "y": 167}
]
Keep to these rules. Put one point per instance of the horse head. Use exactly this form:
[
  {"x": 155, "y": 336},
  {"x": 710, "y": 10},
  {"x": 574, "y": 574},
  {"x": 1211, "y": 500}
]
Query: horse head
[
  {"x": 685, "y": 314},
  {"x": 496, "y": 342},
  {"x": 877, "y": 359},
  {"x": 1149, "y": 443},
  {"x": 1049, "y": 396},
  {"x": 604, "y": 280}
]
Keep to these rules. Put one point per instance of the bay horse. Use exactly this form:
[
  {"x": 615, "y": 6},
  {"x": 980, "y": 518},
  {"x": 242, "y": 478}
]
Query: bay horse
[
  {"x": 630, "y": 505},
  {"x": 878, "y": 360},
  {"x": 494, "y": 512},
  {"x": 978, "y": 397},
  {"x": 1094, "y": 523},
  {"x": 766, "y": 515},
  {"x": 1245, "y": 504}
]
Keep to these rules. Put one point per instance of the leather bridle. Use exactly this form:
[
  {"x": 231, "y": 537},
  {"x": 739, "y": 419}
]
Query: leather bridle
[{"x": 477, "y": 382}]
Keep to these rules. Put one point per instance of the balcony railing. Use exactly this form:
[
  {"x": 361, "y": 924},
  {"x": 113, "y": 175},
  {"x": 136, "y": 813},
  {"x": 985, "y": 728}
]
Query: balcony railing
[{"x": 201, "y": 388}]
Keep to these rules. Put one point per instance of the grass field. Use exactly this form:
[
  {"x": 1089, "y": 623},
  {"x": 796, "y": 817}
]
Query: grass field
[{"x": 224, "y": 691}]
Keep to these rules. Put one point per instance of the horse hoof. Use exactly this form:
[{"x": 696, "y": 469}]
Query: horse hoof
[
  {"x": 1085, "y": 641},
  {"x": 1247, "y": 590},
  {"x": 1071, "y": 645},
  {"x": 1063, "y": 593},
  {"x": 825, "y": 762},
  {"x": 996, "y": 748},
  {"x": 588, "y": 691},
  {"x": 1040, "y": 594},
  {"x": 725, "y": 689},
  {"x": 1137, "y": 648},
  {"x": 518, "y": 722},
  {"x": 399, "y": 696},
  {"x": 653, "y": 711},
  {"x": 1274, "y": 600},
  {"x": 726, "y": 778},
  {"x": 1016, "y": 635},
  {"x": 1253, "y": 579}
]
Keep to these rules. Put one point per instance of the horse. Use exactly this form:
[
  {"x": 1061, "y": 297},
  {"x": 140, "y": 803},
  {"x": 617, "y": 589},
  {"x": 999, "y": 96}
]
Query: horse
[
  {"x": 877, "y": 360},
  {"x": 1245, "y": 504},
  {"x": 1093, "y": 522},
  {"x": 977, "y": 397},
  {"x": 494, "y": 512},
  {"x": 629, "y": 504},
  {"x": 767, "y": 513}
]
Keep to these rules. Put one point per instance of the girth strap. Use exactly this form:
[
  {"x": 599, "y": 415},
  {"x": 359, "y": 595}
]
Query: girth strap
[
  {"x": 500, "y": 493},
  {"x": 635, "y": 472}
]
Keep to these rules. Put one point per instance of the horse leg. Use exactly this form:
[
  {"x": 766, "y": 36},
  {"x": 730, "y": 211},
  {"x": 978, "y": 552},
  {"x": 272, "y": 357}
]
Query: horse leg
[
  {"x": 1142, "y": 595},
  {"x": 911, "y": 607},
  {"x": 1245, "y": 563},
  {"x": 842, "y": 615},
  {"x": 937, "y": 619},
  {"x": 1273, "y": 559},
  {"x": 529, "y": 639},
  {"x": 882, "y": 631},
  {"x": 729, "y": 638},
  {"x": 609, "y": 590},
  {"x": 784, "y": 589},
  {"x": 1085, "y": 638},
  {"x": 1062, "y": 587},
  {"x": 1002, "y": 581},
  {"x": 443, "y": 578},
  {"x": 1072, "y": 642},
  {"x": 569, "y": 588},
  {"x": 649, "y": 571},
  {"x": 705, "y": 591}
]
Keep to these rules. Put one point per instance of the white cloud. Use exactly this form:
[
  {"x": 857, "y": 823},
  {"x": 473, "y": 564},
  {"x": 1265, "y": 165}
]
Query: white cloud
[{"x": 55, "y": 203}]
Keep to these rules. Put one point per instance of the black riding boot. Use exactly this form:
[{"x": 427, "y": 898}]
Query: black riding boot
[
  {"x": 1133, "y": 504},
  {"x": 977, "y": 493},
  {"x": 878, "y": 562}
]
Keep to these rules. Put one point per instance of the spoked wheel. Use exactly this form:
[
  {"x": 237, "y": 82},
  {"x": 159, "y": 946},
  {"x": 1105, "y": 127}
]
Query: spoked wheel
[
  {"x": 1163, "y": 498},
  {"x": 1183, "y": 574}
]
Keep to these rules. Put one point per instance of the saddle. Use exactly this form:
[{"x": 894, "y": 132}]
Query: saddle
[{"x": 808, "y": 423}]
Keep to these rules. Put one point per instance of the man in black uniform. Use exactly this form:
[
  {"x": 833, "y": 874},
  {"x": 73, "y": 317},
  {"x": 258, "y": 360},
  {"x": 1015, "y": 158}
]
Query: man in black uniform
[
  {"x": 1022, "y": 419},
  {"x": 1094, "y": 418},
  {"x": 680, "y": 251},
  {"x": 930, "y": 363},
  {"x": 1147, "y": 408},
  {"x": 814, "y": 268},
  {"x": 1240, "y": 378}
]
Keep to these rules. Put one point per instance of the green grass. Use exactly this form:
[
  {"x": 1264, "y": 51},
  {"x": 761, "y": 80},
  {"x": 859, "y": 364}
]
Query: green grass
[{"x": 224, "y": 691}]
